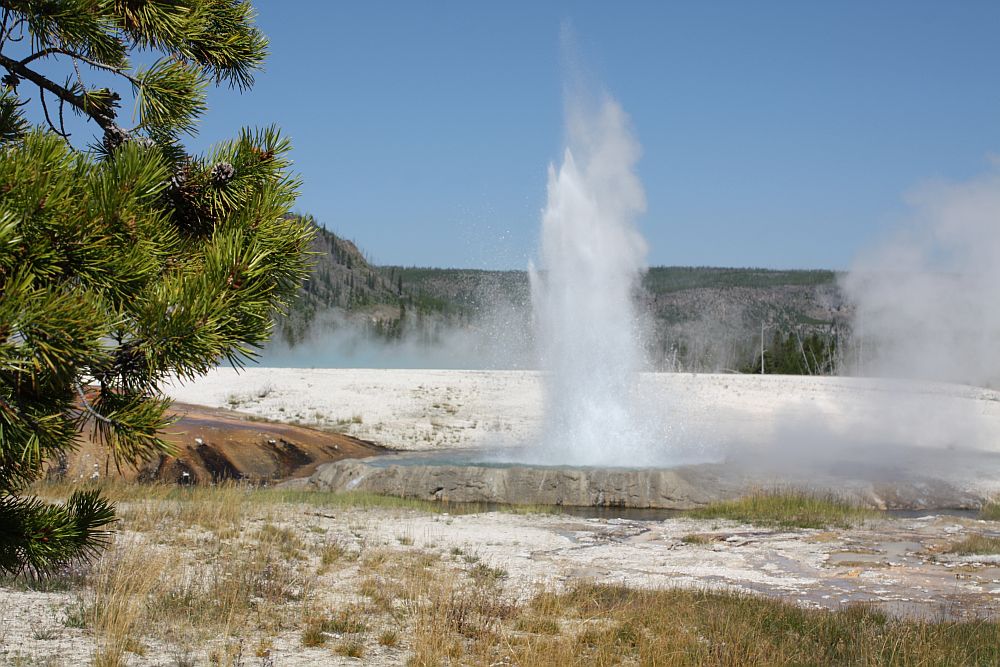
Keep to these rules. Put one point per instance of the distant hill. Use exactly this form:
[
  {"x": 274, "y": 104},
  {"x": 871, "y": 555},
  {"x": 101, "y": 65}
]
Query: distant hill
[
  {"x": 710, "y": 318},
  {"x": 341, "y": 281},
  {"x": 701, "y": 318}
]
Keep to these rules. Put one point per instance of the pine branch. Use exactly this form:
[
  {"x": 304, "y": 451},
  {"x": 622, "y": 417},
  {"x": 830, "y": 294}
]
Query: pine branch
[
  {"x": 48, "y": 119},
  {"x": 8, "y": 33},
  {"x": 82, "y": 58},
  {"x": 12, "y": 122},
  {"x": 88, "y": 407},
  {"x": 40, "y": 537},
  {"x": 77, "y": 101},
  {"x": 3, "y": 27}
]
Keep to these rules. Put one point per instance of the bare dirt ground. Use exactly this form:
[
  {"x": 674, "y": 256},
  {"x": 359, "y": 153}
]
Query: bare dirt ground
[{"x": 215, "y": 444}]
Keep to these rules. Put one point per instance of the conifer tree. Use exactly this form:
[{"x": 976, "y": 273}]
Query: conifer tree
[{"x": 129, "y": 261}]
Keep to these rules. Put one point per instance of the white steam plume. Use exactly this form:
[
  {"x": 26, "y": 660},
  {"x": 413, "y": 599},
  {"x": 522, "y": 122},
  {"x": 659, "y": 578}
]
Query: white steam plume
[{"x": 928, "y": 300}]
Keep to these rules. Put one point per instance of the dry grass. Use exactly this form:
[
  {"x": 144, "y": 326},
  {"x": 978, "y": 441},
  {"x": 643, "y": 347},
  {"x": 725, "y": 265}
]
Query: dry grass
[
  {"x": 227, "y": 569},
  {"x": 788, "y": 509},
  {"x": 614, "y": 625},
  {"x": 319, "y": 628},
  {"x": 122, "y": 583},
  {"x": 193, "y": 566},
  {"x": 351, "y": 648},
  {"x": 389, "y": 638},
  {"x": 462, "y": 622}
]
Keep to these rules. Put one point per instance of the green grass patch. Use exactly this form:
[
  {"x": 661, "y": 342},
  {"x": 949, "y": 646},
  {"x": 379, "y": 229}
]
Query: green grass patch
[
  {"x": 366, "y": 500},
  {"x": 990, "y": 511},
  {"x": 346, "y": 500},
  {"x": 788, "y": 509},
  {"x": 976, "y": 545},
  {"x": 233, "y": 495}
]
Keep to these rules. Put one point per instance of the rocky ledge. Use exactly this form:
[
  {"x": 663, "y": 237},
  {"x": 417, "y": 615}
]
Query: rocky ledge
[{"x": 919, "y": 480}]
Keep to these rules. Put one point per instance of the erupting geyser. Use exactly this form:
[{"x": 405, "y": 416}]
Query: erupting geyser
[{"x": 592, "y": 256}]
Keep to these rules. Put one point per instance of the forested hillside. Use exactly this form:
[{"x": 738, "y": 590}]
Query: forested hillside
[
  {"x": 700, "y": 318},
  {"x": 342, "y": 282}
]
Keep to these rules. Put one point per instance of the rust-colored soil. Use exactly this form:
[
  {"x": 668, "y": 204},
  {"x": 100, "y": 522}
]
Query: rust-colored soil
[{"x": 215, "y": 445}]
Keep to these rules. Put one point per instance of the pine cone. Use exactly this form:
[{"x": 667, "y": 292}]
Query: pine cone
[
  {"x": 222, "y": 173},
  {"x": 145, "y": 142},
  {"x": 179, "y": 179},
  {"x": 114, "y": 137},
  {"x": 10, "y": 80},
  {"x": 185, "y": 192}
]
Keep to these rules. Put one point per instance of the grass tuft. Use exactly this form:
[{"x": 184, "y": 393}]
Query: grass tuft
[
  {"x": 539, "y": 625},
  {"x": 351, "y": 648},
  {"x": 990, "y": 511},
  {"x": 388, "y": 638},
  {"x": 976, "y": 545},
  {"x": 788, "y": 509},
  {"x": 318, "y": 628},
  {"x": 484, "y": 574},
  {"x": 312, "y": 634}
]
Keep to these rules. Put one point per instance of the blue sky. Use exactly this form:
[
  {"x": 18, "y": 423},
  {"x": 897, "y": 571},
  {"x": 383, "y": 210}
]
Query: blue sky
[{"x": 776, "y": 134}]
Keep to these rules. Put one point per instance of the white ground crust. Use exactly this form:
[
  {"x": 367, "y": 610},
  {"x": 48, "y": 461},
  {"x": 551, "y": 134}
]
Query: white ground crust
[{"x": 696, "y": 416}]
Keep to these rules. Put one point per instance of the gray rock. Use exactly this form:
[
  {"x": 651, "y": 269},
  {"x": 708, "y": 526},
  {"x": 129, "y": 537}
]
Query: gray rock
[{"x": 924, "y": 485}]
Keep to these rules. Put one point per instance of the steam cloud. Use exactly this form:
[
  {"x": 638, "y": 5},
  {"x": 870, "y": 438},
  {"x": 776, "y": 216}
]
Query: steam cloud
[
  {"x": 928, "y": 299},
  {"x": 497, "y": 338}
]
